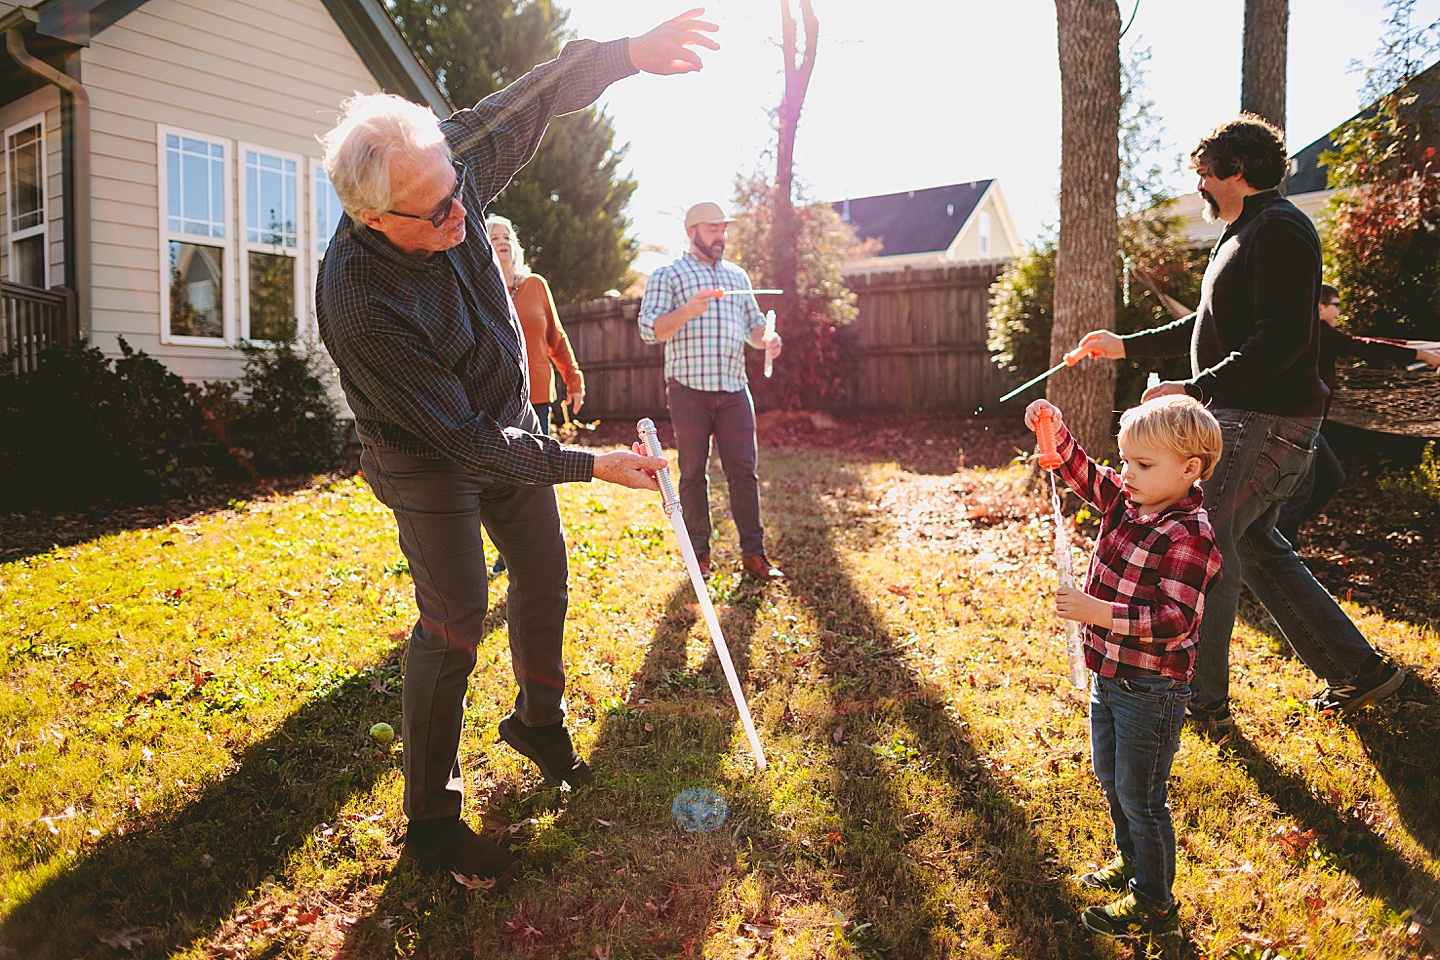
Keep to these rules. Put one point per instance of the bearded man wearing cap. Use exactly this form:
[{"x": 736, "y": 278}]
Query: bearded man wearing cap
[{"x": 697, "y": 307}]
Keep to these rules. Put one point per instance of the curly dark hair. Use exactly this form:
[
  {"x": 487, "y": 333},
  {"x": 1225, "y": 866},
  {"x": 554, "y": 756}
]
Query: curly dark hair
[{"x": 1247, "y": 145}]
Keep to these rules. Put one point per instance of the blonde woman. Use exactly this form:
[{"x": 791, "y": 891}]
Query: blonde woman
[{"x": 545, "y": 339}]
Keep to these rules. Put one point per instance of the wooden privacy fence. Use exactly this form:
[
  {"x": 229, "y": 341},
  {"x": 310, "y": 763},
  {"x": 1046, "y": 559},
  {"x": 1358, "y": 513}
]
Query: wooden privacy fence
[{"x": 919, "y": 345}]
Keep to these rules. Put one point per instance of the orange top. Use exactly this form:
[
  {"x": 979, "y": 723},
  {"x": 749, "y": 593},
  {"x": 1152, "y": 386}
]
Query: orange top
[{"x": 545, "y": 340}]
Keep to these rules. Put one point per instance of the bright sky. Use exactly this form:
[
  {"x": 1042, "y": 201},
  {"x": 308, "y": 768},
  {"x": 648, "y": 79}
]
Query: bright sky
[{"x": 910, "y": 94}]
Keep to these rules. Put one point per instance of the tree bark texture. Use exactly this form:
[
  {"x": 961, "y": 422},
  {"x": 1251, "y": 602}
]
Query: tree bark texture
[
  {"x": 1089, "y": 35},
  {"x": 798, "y": 67},
  {"x": 1262, "y": 69}
]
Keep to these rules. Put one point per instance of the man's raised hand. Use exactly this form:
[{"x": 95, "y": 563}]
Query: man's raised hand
[{"x": 665, "y": 50}]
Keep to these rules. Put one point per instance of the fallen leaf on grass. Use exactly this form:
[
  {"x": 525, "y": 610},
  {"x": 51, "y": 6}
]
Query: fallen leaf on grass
[
  {"x": 123, "y": 940},
  {"x": 1429, "y": 934},
  {"x": 762, "y": 930},
  {"x": 471, "y": 883},
  {"x": 306, "y": 917},
  {"x": 520, "y": 929}
]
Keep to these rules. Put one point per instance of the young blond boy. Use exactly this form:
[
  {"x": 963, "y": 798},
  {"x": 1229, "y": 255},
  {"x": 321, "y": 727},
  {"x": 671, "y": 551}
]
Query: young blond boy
[{"x": 1155, "y": 556}]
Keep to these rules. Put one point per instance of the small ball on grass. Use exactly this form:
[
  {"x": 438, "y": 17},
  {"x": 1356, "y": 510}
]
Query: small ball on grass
[{"x": 383, "y": 732}]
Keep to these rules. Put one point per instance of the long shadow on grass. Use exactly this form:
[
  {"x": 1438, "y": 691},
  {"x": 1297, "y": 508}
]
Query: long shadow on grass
[
  {"x": 172, "y": 881},
  {"x": 613, "y": 872},
  {"x": 873, "y": 692},
  {"x": 1408, "y": 760},
  {"x": 1377, "y": 867}
]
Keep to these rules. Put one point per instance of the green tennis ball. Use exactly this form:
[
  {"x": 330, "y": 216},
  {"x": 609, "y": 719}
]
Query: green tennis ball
[{"x": 383, "y": 732}]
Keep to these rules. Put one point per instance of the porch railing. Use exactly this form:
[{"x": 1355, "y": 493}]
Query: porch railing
[{"x": 32, "y": 319}]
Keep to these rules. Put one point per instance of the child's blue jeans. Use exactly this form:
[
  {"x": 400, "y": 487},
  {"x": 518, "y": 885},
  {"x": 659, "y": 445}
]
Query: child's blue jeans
[{"x": 1134, "y": 733}]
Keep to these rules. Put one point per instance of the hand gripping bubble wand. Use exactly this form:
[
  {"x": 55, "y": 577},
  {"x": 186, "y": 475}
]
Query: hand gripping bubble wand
[
  {"x": 769, "y": 335},
  {"x": 1064, "y": 559},
  {"x": 671, "y": 503}
]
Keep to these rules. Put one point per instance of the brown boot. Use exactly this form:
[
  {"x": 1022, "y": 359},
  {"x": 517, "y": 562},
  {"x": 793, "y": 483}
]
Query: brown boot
[
  {"x": 456, "y": 849},
  {"x": 761, "y": 568}
]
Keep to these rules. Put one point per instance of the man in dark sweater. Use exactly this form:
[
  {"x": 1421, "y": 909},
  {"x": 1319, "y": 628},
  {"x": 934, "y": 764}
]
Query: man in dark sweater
[{"x": 1254, "y": 346}]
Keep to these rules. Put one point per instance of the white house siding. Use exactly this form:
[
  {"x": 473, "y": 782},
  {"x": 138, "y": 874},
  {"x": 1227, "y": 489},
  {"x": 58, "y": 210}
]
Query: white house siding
[
  {"x": 43, "y": 101},
  {"x": 269, "y": 74}
]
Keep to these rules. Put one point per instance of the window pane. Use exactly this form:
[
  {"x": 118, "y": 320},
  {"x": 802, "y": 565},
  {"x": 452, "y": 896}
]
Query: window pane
[
  {"x": 327, "y": 210},
  {"x": 196, "y": 189},
  {"x": 272, "y": 297},
  {"x": 196, "y": 285},
  {"x": 27, "y": 201},
  {"x": 28, "y": 266},
  {"x": 270, "y": 200}
]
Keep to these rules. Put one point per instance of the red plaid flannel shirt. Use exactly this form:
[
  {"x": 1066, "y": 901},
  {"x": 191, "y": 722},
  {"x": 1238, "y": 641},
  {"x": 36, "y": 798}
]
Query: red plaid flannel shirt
[{"x": 1153, "y": 570}]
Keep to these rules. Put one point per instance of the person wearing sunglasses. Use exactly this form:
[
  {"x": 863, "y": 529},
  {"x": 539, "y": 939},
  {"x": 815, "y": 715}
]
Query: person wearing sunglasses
[
  {"x": 413, "y": 308},
  {"x": 1326, "y": 475}
]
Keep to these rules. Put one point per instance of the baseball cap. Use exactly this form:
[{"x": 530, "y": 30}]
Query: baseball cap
[{"x": 706, "y": 212}]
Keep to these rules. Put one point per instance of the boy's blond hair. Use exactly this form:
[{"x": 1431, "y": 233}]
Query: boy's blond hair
[{"x": 1178, "y": 423}]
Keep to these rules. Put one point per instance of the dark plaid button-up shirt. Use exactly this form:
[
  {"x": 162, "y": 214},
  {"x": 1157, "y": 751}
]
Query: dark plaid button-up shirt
[
  {"x": 430, "y": 352},
  {"x": 1153, "y": 570}
]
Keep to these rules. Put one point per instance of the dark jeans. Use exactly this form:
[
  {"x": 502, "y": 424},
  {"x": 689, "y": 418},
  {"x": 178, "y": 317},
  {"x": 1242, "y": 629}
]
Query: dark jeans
[
  {"x": 1134, "y": 733},
  {"x": 542, "y": 413},
  {"x": 1325, "y": 476},
  {"x": 698, "y": 415},
  {"x": 440, "y": 508},
  {"x": 1262, "y": 460}
]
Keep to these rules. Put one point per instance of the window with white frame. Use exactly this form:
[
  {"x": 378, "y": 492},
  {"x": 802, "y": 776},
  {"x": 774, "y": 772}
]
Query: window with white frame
[
  {"x": 984, "y": 229},
  {"x": 195, "y": 241},
  {"x": 25, "y": 164},
  {"x": 270, "y": 245},
  {"x": 327, "y": 209}
]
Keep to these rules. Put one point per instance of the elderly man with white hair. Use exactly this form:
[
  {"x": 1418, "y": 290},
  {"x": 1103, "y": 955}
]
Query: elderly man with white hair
[{"x": 414, "y": 311}]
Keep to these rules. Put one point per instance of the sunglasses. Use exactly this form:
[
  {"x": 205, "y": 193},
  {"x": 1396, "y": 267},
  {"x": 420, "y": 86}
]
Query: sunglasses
[{"x": 442, "y": 212}]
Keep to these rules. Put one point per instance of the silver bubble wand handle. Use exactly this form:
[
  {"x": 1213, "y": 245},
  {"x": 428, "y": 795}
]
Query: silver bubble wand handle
[{"x": 650, "y": 440}]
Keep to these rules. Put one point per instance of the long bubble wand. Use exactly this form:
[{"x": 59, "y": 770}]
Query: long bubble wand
[
  {"x": 671, "y": 504},
  {"x": 1064, "y": 558},
  {"x": 769, "y": 335}
]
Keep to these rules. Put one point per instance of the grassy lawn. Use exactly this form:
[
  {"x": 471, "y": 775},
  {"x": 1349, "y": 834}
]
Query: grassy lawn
[{"x": 187, "y": 770}]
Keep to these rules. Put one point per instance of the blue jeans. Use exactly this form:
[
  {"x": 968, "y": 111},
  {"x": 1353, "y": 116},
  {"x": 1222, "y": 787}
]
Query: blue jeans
[
  {"x": 1263, "y": 460},
  {"x": 1325, "y": 476},
  {"x": 1134, "y": 733}
]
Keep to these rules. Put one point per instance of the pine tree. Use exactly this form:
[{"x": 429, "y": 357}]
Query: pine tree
[{"x": 568, "y": 202}]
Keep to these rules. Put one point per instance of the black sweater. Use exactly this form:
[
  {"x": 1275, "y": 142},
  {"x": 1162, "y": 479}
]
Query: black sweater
[{"x": 1254, "y": 341}]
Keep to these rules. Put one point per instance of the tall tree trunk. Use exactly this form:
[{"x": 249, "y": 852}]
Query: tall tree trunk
[
  {"x": 1262, "y": 67},
  {"x": 1089, "y": 34},
  {"x": 798, "y": 67}
]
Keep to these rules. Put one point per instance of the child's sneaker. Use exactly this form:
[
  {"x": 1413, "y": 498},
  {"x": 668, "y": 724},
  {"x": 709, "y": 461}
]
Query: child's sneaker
[
  {"x": 1128, "y": 918},
  {"x": 1114, "y": 877}
]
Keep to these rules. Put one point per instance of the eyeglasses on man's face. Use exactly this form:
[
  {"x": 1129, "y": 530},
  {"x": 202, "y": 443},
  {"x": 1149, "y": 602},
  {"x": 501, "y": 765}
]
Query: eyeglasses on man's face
[{"x": 441, "y": 213}]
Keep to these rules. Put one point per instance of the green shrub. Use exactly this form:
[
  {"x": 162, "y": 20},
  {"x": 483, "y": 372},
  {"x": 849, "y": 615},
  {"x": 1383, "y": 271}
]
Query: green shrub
[
  {"x": 289, "y": 423},
  {"x": 78, "y": 430}
]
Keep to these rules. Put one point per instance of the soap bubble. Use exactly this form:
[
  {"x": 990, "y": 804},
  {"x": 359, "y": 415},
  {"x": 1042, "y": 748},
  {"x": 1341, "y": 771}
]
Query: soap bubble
[{"x": 699, "y": 810}]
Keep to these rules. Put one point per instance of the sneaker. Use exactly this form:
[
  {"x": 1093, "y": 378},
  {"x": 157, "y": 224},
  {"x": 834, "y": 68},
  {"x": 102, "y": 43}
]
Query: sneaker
[
  {"x": 460, "y": 852},
  {"x": 499, "y": 567},
  {"x": 1376, "y": 681},
  {"x": 1114, "y": 877},
  {"x": 1212, "y": 720},
  {"x": 703, "y": 562},
  {"x": 550, "y": 748},
  {"x": 1128, "y": 918}
]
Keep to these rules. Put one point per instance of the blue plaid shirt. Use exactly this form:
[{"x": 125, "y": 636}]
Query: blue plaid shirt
[{"x": 708, "y": 353}]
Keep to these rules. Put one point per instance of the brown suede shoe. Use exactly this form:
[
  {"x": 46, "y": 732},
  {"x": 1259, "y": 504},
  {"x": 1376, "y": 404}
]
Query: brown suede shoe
[
  {"x": 464, "y": 854},
  {"x": 704, "y": 564},
  {"x": 761, "y": 568},
  {"x": 551, "y": 750}
]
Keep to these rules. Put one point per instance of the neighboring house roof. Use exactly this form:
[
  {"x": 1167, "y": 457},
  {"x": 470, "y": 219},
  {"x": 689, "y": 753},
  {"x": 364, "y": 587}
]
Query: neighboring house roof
[
  {"x": 916, "y": 221},
  {"x": 1309, "y": 175},
  {"x": 365, "y": 23}
]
